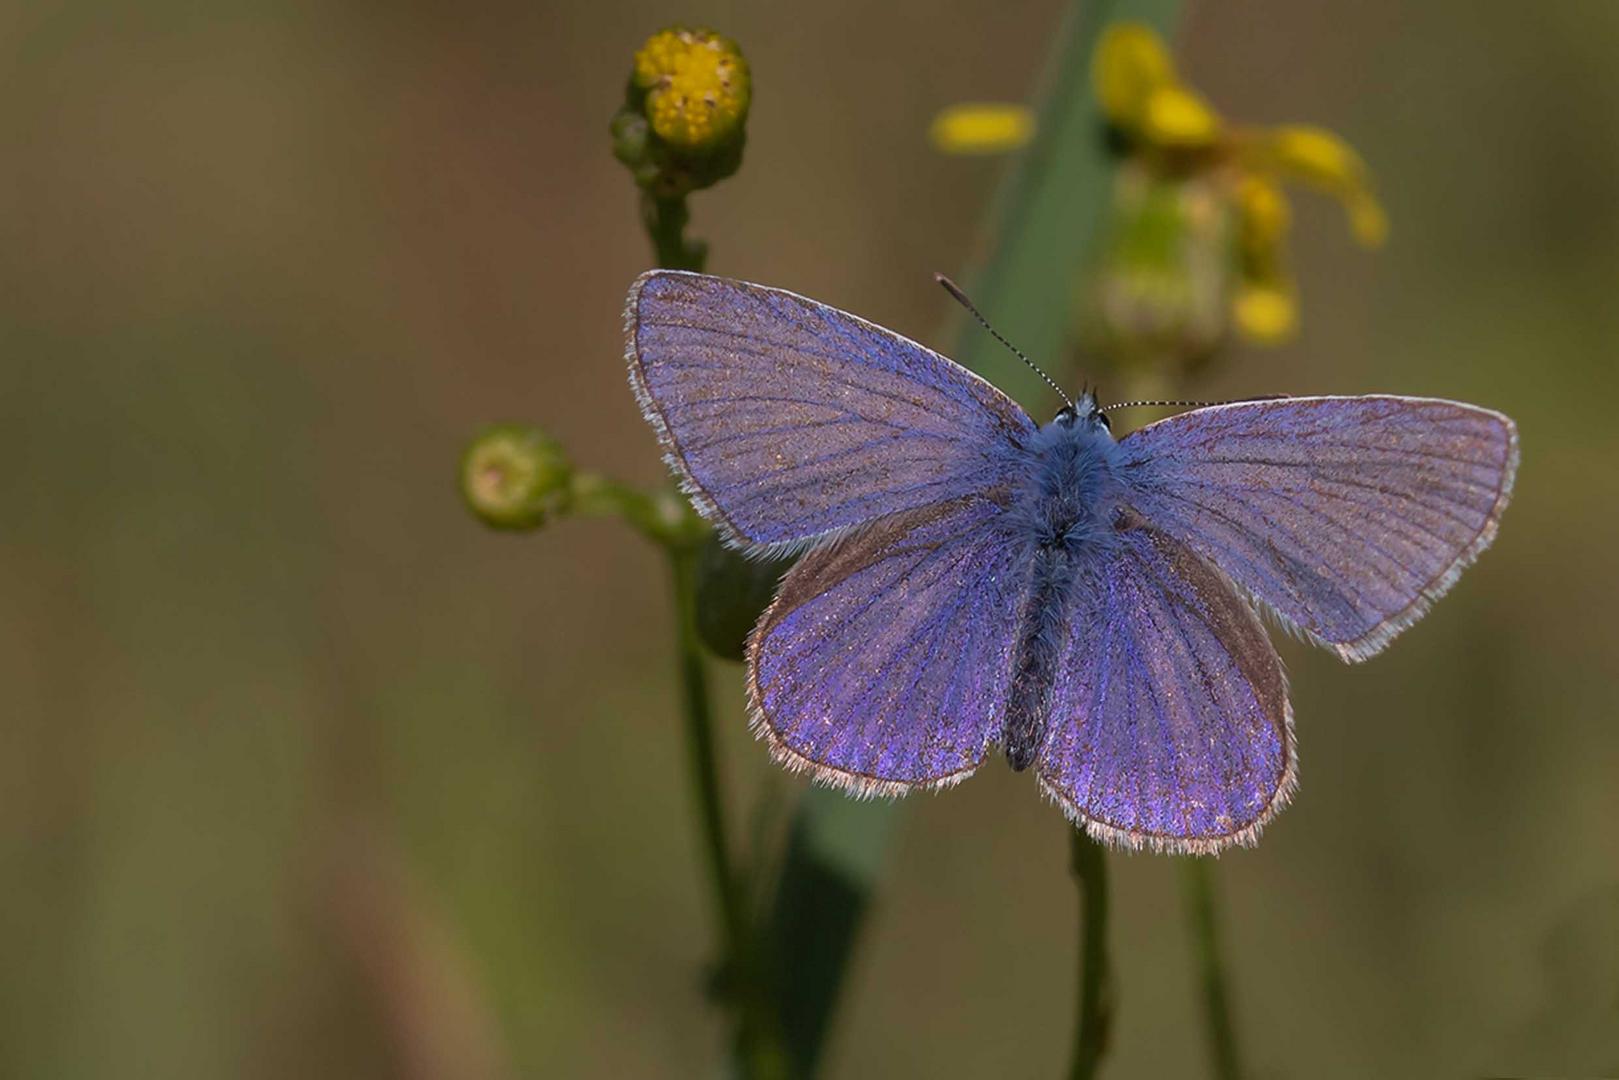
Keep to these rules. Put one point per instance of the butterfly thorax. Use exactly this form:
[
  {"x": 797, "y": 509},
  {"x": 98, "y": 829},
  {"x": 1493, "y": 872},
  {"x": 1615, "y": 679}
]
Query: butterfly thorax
[{"x": 1061, "y": 518}]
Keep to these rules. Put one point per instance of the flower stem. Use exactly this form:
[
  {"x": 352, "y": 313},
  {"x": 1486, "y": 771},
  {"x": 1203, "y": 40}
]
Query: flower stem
[
  {"x": 700, "y": 749},
  {"x": 758, "y": 1047},
  {"x": 1197, "y": 881},
  {"x": 1093, "y": 1018},
  {"x": 666, "y": 221}
]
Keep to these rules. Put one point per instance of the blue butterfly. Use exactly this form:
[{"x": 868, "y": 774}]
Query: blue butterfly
[{"x": 973, "y": 579}]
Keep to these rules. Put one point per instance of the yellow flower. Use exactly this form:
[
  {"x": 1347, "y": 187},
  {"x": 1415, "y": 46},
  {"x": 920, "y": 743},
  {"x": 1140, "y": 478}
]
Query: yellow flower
[
  {"x": 697, "y": 86},
  {"x": 683, "y": 124},
  {"x": 1141, "y": 95},
  {"x": 981, "y": 128},
  {"x": 1171, "y": 129}
]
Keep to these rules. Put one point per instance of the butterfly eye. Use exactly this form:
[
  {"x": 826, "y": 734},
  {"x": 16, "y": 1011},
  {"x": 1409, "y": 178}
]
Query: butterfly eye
[{"x": 1106, "y": 423}]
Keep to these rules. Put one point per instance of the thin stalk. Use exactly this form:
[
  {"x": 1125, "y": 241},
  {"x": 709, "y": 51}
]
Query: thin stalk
[
  {"x": 758, "y": 1047},
  {"x": 1093, "y": 1017},
  {"x": 1197, "y": 882},
  {"x": 695, "y": 706},
  {"x": 666, "y": 221}
]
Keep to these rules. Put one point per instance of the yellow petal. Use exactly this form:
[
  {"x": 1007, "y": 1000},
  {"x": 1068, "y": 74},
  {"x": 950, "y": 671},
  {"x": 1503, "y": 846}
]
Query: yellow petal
[
  {"x": 1265, "y": 311},
  {"x": 1265, "y": 216},
  {"x": 1176, "y": 116},
  {"x": 1321, "y": 159},
  {"x": 1130, "y": 63},
  {"x": 1316, "y": 156},
  {"x": 981, "y": 128},
  {"x": 1367, "y": 220}
]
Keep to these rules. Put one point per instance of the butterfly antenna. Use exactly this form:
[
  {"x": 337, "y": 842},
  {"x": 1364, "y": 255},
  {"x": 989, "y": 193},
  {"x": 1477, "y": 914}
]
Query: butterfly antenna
[
  {"x": 1188, "y": 404},
  {"x": 961, "y": 298}
]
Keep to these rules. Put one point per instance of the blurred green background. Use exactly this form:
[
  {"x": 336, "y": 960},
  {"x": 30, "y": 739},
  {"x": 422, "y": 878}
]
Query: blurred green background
[{"x": 302, "y": 772}]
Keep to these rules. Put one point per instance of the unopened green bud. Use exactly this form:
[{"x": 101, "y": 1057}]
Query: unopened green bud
[
  {"x": 732, "y": 591},
  {"x": 515, "y": 477}
]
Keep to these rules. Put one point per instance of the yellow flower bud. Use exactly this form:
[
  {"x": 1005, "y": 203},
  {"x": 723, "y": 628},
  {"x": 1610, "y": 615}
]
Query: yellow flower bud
[
  {"x": 1130, "y": 63},
  {"x": 697, "y": 86},
  {"x": 981, "y": 128}
]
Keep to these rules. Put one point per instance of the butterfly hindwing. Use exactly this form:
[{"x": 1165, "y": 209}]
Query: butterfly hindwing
[
  {"x": 788, "y": 420},
  {"x": 883, "y": 664},
  {"x": 1344, "y": 516},
  {"x": 1170, "y": 725}
]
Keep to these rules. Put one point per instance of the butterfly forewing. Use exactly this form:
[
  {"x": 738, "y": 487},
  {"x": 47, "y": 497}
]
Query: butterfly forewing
[
  {"x": 1170, "y": 725},
  {"x": 883, "y": 664},
  {"x": 1345, "y": 516},
  {"x": 788, "y": 420}
]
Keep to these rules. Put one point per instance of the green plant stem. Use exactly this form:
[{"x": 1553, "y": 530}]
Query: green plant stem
[
  {"x": 666, "y": 221},
  {"x": 669, "y": 521},
  {"x": 758, "y": 1049},
  {"x": 1093, "y": 1016},
  {"x": 1197, "y": 882},
  {"x": 695, "y": 705},
  {"x": 664, "y": 518}
]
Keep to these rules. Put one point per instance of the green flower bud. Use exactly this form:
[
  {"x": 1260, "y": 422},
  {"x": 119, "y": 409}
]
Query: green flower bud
[
  {"x": 732, "y": 592},
  {"x": 515, "y": 477}
]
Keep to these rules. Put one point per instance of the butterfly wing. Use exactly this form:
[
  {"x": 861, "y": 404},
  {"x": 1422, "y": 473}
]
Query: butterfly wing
[
  {"x": 1345, "y": 516},
  {"x": 787, "y": 420},
  {"x": 883, "y": 664},
  {"x": 1170, "y": 725}
]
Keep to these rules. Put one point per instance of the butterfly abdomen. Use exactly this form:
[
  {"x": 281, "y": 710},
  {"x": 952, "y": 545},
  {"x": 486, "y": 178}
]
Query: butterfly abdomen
[
  {"x": 1035, "y": 658},
  {"x": 1060, "y": 517}
]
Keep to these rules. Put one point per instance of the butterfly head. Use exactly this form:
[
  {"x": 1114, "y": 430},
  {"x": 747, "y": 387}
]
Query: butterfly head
[{"x": 1085, "y": 414}]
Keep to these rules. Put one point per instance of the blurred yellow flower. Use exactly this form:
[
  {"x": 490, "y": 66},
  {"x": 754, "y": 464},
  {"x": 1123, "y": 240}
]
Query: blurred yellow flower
[
  {"x": 1172, "y": 130},
  {"x": 1141, "y": 95}
]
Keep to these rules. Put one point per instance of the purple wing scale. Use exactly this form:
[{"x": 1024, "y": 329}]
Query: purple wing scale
[
  {"x": 883, "y": 664},
  {"x": 1345, "y": 517},
  {"x": 788, "y": 420},
  {"x": 1170, "y": 724}
]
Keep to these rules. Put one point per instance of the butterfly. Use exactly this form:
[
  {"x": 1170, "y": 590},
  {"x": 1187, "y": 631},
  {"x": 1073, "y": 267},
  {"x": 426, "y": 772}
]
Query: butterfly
[{"x": 972, "y": 579}]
